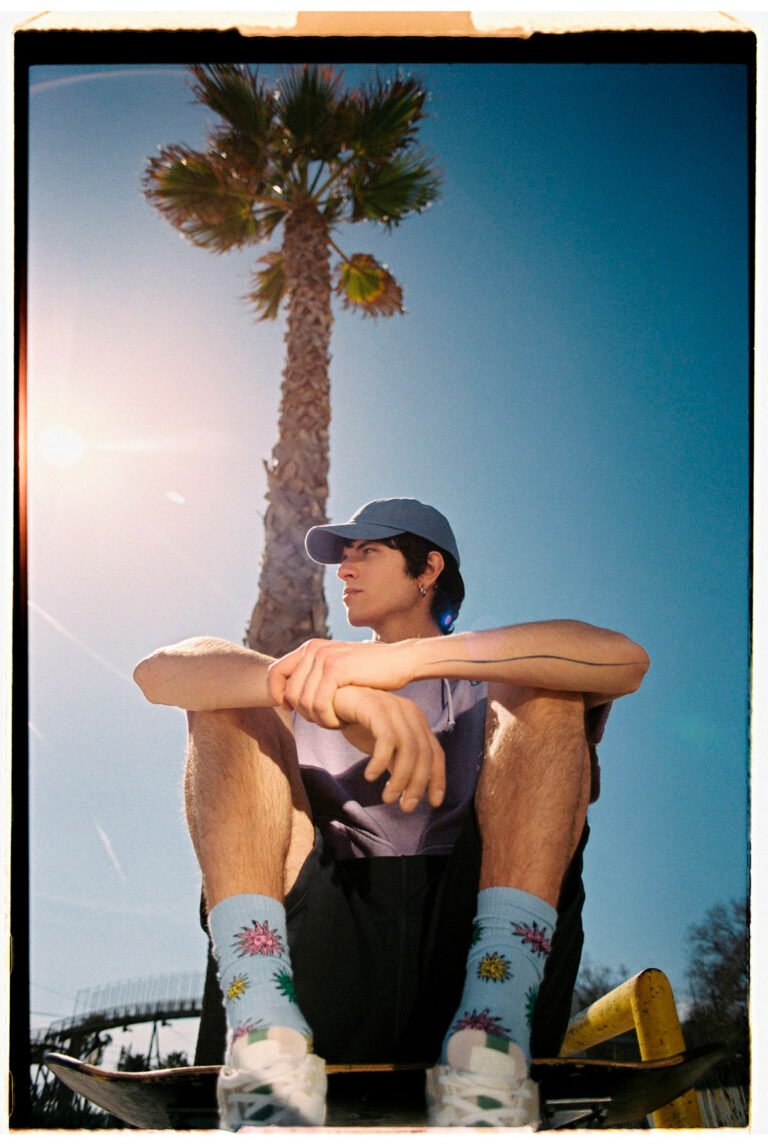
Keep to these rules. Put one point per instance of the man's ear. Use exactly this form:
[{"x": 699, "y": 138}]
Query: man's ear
[{"x": 435, "y": 566}]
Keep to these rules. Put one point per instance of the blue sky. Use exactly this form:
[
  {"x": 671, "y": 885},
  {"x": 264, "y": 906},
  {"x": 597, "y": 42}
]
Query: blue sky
[{"x": 570, "y": 385}]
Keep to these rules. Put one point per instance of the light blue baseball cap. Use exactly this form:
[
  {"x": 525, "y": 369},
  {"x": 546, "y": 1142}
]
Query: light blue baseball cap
[{"x": 378, "y": 520}]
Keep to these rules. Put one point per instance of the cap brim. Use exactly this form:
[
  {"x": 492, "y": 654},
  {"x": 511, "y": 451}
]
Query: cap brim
[{"x": 325, "y": 543}]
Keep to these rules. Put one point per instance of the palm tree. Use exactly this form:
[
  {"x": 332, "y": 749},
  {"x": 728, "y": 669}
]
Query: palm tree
[{"x": 293, "y": 161}]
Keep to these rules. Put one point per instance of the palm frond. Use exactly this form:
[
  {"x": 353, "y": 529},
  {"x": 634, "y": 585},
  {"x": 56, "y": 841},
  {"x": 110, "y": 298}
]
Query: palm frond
[
  {"x": 244, "y": 139},
  {"x": 270, "y": 219},
  {"x": 193, "y": 193},
  {"x": 269, "y": 286},
  {"x": 308, "y": 108},
  {"x": 389, "y": 192},
  {"x": 248, "y": 161},
  {"x": 386, "y": 115},
  {"x": 333, "y": 209},
  {"x": 364, "y": 284},
  {"x": 235, "y": 93},
  {"x": 224, "y": 235},
  {"x": 180, "y": 181}
]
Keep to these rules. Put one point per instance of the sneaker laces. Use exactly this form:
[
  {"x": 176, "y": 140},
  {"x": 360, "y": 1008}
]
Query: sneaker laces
[
  {"x": 269, "y": 1095},
  {"x": 471, "y": 1099}
]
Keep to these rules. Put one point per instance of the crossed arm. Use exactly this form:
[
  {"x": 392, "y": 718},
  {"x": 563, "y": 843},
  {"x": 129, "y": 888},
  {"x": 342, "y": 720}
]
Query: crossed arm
[
  {"x": 206, "y": 674},
  {"x": 345, "y": 685},
  {"x": 562, "y": 656}
]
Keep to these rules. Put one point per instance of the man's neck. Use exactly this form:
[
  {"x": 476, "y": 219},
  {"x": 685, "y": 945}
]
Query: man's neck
[{"x": 393, "y": 631}]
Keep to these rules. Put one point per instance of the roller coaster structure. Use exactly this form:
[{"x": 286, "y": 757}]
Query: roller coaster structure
[{"x": 98, "y": 1010}]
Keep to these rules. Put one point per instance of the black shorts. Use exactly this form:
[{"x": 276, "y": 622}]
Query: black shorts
[{"x": 379, "y": 950}]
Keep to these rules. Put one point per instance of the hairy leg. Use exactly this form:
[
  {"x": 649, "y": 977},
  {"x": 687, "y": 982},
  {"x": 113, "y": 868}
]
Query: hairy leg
[
  {"x": 531, "y": 805},
  {"x": 533, "y": 791},
  {"x": 247, "y": 811}
]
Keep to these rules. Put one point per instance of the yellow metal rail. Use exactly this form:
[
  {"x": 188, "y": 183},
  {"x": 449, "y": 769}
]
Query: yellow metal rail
[{"x": 645, "y": 1003}]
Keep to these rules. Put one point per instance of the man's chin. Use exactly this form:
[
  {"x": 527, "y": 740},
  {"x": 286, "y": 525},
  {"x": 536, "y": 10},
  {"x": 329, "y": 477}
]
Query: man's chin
[{"x": 355, "y": 619}]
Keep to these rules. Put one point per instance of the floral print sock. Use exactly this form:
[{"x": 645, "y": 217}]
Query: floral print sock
[
  {"x": 512, "y": 935},
  {"x": 251, "y": 947}
]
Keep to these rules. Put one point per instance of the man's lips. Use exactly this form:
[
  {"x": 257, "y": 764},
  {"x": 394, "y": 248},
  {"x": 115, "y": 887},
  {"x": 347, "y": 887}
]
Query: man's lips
[{"x": 349, "y": 593}]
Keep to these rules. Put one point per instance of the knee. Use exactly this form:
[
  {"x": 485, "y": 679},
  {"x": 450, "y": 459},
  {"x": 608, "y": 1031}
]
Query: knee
[
  {"x": 222, "y": 725},
  {"x": 554, "y": 716},
  {"x": 215, "y": 724},
  {"x": 564, "y": 704},
  {"x": 239, "y": 731},
  {"x": 528, "y": 721},
  {"x": 538, "y": 706}
]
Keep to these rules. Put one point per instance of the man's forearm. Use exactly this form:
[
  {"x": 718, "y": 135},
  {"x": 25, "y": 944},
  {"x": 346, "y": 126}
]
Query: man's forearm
[
  {"x": 566, "y": 656},
  {"x": 559, "y": 656},
  {"x": 203, "y": 674}
]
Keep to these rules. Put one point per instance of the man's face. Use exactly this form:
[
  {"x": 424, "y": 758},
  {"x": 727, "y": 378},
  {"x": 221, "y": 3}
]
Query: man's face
[{"x": 377, "y": 588}]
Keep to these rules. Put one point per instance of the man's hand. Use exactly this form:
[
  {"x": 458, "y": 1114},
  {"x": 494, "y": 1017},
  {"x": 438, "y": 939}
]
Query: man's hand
[
  {"x": 394, "y": 732},
  {"x": 341, "y": 684},
  {"x": 307, "y": 678}
]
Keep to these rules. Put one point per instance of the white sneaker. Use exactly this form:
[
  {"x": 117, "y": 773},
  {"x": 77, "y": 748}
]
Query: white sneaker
[
  {"x": 271, "y": 1080},
  {"x": 485, "y": 1083}
]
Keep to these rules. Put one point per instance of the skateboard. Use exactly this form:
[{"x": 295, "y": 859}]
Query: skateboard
[{"x": 574, "y": 1092}]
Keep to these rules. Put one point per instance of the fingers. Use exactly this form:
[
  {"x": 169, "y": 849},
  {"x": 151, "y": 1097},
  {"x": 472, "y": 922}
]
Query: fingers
[
  {"x": 409, "y": 750},
  {"x": 302, "y": 680},
  {"x": 279, "y": 673},
  {"x": 409, "y": 784},
  {"x": 436, "y": 786},
  {"x": 308, "y": 680}
]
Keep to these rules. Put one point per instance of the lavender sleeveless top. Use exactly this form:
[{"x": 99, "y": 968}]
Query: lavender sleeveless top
[{"x": 348, "y": 809}]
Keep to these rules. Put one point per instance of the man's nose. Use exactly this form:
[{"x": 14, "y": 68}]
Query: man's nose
[{"x": 346, "y": 570}]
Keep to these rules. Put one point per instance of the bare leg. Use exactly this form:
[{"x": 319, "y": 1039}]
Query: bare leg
[
  {"x": 533, "y": 791},
  {"x": 250, "y": 824},
  {"x": 247, "y": 810},
  {"x": 531, "y": 805}
]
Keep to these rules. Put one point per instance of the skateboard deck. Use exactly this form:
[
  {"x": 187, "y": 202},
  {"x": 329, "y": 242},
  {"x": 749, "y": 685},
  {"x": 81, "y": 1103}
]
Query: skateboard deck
[{"x": 574, "y": 1091}]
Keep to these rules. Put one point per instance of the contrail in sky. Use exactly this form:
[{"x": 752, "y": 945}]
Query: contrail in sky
[
  {"x": 49, "y": 85},
  {"x": 37, "y": 733},
  {"x": 109, "y": 849},
  {"x": 100, "y": 907},
  {"x": 80, "y": 644}
]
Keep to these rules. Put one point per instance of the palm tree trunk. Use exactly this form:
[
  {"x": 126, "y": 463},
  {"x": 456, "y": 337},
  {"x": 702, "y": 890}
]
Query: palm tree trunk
[{"x": 291, "y": 605}]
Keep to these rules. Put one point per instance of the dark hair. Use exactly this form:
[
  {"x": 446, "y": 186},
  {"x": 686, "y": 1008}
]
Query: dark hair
[{"x": 449, "y": 587}]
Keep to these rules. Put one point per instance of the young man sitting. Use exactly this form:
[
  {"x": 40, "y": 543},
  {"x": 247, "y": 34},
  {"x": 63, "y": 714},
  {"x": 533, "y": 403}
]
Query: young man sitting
[{"x": 390, "y": 832}]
